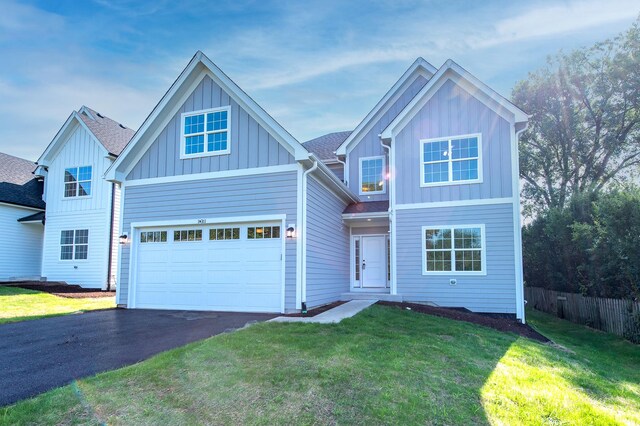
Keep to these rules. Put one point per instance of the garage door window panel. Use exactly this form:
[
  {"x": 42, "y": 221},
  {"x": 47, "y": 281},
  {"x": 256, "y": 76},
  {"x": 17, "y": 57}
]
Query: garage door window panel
[
  {"x": 263, "y": 232},
  {"x": 187, "y": 235},
  {"x": 224, "y": 234}
]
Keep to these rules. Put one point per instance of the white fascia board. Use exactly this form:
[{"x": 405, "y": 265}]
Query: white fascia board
[
  {"x": 199, "y": 67},
  {"x": 333, "y": 182},
  {"x": 419, "y": 67},
  {"x": 451, "y": 70},
  {"x": 372, "y": 215}
]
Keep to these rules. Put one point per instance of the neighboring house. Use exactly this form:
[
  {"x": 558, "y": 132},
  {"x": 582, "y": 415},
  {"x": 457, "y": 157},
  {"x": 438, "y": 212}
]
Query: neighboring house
[
  {"x": 225, "y": 210},
  {"x": 80, "y": 237},
  {"x": 21, "y": 219}
]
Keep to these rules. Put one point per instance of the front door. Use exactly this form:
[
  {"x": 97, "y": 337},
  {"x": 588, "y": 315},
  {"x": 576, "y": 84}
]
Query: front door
[{"x": 374, "y": 261}]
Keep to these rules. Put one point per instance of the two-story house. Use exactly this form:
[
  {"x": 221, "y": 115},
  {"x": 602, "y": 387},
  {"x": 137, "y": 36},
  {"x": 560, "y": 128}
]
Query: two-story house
[
  {"x": 81, "y": 225},
  {"x": 224, "y": 210}
]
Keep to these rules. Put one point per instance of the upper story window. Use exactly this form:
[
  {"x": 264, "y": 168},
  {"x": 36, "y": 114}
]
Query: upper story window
[
  {"x": 456, "y": 249},
  {"x": 205, "y": 133},
  {"x": 447, "y": 161},
  {"x": 372, "y": 179},
  {"x": 77, "y": 181}
]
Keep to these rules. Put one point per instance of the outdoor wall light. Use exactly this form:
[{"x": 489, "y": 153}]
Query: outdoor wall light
[
  {"x": 124, "y": 238},
  {"x": 291, "y": 231}
]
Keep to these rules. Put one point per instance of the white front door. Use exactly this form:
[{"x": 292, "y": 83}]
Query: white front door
[{"x": 374, "y": 261}]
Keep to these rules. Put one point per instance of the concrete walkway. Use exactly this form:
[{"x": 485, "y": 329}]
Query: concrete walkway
[{"x": 332, "y": 316}]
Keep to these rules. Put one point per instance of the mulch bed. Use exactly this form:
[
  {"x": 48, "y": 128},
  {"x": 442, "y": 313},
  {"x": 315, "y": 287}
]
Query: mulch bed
[
  {"x": 500, "y": 323},
  {"x": 65, "y": 290},
  {"x": 315, "y": 311}
]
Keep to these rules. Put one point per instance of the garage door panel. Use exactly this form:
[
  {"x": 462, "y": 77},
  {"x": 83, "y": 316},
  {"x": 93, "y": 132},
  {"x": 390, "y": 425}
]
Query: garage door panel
[{"x": 233, "y": 275}]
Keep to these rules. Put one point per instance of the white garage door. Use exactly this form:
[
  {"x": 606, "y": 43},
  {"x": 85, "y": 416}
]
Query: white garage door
[{"x": 235, "y": 267}]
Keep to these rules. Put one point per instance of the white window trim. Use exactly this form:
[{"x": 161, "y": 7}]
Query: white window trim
[
  {"x": 76, "y": 197},
  {"x": 206, "y": 153},
  {"x": 454, "y": 272},
  {"x": 450, "y": 161},
  {"x": 384, "y": 180},
  {"x": 73, "y": 247}
]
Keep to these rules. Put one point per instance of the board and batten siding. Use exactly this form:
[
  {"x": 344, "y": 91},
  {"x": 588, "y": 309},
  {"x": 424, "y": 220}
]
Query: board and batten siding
[
  {"x": 327, "y": 243},
  {"x": 493, "y": 292},
  {"x": 250, "y": 144},
  {"x": 254, "y": 195},
  {"x": 92, "y": 212},
  {"x": 22, "y": 244},
  {"x": 369, "y": 144},
  {"x": 453, "y": 111}
]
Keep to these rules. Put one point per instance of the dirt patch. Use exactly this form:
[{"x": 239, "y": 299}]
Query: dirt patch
[
  {"x": 316, "y": 311},
  {"x": 497, "y": 322},
  {"x": 64, "y": 290}
]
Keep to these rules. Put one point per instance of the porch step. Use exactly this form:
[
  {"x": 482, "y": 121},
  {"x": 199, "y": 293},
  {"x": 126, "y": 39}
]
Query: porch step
[{"x": 371, "y": 296}]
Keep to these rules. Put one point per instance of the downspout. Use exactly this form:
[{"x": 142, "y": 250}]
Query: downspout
[
  {"x": 112, "y": 215},
  {"x": 344, "y": 170},
  {"x": 303, "y": 235},
  {"x": 518, "y": 228},
  {"x": 391, "y": 217}
]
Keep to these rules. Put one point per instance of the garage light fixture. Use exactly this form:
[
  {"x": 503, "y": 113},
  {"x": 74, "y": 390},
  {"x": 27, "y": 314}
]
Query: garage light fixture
[
  {"x": 124, "y": 238},
  {"x": 291, "y": 231}
]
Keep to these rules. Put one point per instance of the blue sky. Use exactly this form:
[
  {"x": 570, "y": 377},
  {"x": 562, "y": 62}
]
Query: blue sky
[{"x": 316, "y": 67}]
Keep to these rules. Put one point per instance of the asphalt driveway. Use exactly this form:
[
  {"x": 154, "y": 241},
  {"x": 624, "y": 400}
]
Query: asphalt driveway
[{"x": 39, "y": 355}]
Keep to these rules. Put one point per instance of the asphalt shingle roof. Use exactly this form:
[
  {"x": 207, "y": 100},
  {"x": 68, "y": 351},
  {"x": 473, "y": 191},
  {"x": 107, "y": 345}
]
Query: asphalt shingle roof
[
  {"x": 18, "y": 185},
  {"x": 325, "y": 146},
  {"x": 368, "y": 207},
  {"x": 111, "y": 134}
]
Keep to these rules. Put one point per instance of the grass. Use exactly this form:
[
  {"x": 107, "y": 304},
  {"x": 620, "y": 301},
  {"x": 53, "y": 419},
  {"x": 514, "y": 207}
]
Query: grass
[
  {"x": 19, "y": 304},
  {"x": 383, "y": 366}
]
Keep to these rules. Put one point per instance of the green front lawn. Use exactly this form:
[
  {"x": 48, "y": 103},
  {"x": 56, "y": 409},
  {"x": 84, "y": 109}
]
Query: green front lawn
[
  {"x": 18, "y": 304},
  {"x": 385, "y": 365}
]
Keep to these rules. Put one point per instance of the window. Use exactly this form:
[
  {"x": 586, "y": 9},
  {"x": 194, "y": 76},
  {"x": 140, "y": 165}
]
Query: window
[
  {"x": 452, "y": 160},
  {"x": 77, "y": 181},
  {"x": 224, "y": 233},
  {"x": 459, "y": 249},
  {"x": 153, "y": 237},
  {"x": 372, "y": 180},
  {"x": 74, "y": 244},
  {"x": 205, "y": 133},
  {"x": 263, "y": 232},
  {"x": 188, "y": 235}
]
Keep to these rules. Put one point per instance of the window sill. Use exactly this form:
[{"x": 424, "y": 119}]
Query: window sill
[
  {"x": 458, "y": 182},
  {"x": 204, "y": 154},
  {"x": 454, "y": 273}
]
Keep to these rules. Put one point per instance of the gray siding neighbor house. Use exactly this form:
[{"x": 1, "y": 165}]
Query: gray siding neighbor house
[{"x": 223, "y": 209}]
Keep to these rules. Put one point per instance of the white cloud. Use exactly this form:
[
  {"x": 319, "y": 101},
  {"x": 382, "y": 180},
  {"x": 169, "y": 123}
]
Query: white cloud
[{"x": 558, "y": 19}]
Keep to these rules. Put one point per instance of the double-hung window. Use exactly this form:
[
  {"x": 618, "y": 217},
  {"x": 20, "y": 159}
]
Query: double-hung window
[
  {"x": 206, "y": 133},
  {"x": 74, "y": 244},
  {"x": 372, "y": 179},
  {"x": 453, "y": 160},
  {"x": 77, "y": 181},
  {"x": 458, "y": 249}
]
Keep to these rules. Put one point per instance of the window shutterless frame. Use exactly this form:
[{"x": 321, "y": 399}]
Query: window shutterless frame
[
  {"x": 383, "y": 177},
  {"x": 450, "y": 161},
  {"x": 453, "y": 272},
  {"x": 204, "y": 133},
  {"x": 78, "y": 182}
]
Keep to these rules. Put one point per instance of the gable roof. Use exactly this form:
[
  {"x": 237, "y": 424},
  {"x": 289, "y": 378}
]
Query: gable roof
[
  {"x": 199, "y": 66},
  {"x": 18, "y": 185},
  {"x": 324, "y": 147},
  {"x": 452, "y": 71},
  {"x": 109, "y": 133},
  {"x": 419, "y": 67}
]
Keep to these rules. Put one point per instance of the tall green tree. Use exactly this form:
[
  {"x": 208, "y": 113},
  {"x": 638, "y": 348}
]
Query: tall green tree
[{"x": 584, "y": 130}]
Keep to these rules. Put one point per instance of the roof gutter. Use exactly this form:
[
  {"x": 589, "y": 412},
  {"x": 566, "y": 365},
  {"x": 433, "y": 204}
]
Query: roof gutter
[{"x": 339, "y": 185}]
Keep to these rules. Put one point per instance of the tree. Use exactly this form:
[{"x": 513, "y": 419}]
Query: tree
[{"x": 584, "y": 130}]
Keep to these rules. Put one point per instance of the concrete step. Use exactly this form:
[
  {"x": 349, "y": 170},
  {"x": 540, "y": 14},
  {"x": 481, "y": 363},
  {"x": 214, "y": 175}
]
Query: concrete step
[{"x": 371, "y": 296}]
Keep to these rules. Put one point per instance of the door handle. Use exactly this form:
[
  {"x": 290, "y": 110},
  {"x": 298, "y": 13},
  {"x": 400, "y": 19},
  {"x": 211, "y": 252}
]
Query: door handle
[{"x": 364, "y": 265}]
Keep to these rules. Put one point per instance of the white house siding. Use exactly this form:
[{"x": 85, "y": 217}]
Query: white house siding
[
  {"x": 494, "y": 292},
  {"x": 92, "y": 213},
  {"x": 327, "y": 243},
  {"x": 254, "y": 195},
  {"x": 21, "y": 255}
]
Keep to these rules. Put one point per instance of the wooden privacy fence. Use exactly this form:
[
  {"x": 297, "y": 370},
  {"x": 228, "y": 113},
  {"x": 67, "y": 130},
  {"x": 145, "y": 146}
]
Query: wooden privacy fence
[{"x": 610, "y": 315}]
